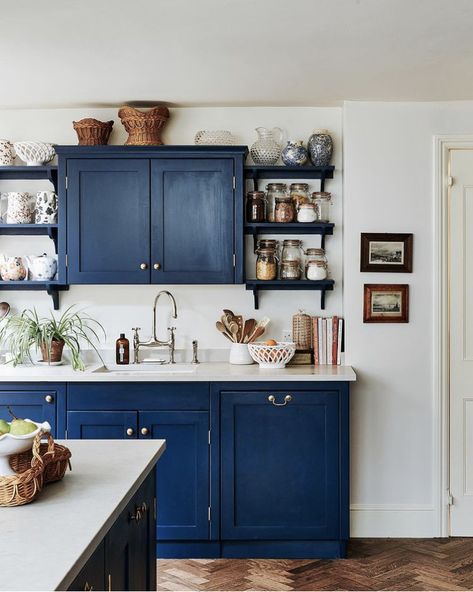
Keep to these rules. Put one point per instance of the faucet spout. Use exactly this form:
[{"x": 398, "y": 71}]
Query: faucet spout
[{"x": 155, "y": 308}]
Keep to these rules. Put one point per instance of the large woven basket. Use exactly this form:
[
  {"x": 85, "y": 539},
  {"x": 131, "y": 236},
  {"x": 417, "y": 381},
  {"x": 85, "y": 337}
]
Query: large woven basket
[
  {"x": 44, "y": 463},
  {"x": 144, "y": 128},
  {"x": 92, "y": 132}
]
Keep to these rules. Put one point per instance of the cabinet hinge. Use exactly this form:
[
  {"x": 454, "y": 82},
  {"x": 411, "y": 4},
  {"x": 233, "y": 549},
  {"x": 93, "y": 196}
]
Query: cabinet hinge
[
  {"x": 67, "y": 260},
  {"x": 234, "y": 182},
  {"x": 210, "y": 514},
  {"x": 209, "y": 437},
  {"x": 449, "y": 181},
  {"x": 67, "y": 183},
  {"x": 450, "y": 499},
  {"x": 234, "y": 260},
  {"x": 65, "y": 434},
  {"x": 154, "y": 508}
]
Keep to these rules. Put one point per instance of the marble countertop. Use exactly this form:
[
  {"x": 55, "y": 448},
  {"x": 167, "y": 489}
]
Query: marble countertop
[
  {"x": 45, "y": 544},
  {"x": 205, "y": 372}
]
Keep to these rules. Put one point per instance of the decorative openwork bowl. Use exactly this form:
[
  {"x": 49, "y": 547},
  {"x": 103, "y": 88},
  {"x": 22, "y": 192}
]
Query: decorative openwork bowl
[
  {"x": 34, "y": 153},
  {"x": 10, "y": 444},
  {"x": 215, "y": 138},
  {"x": 272, "y": 356}
]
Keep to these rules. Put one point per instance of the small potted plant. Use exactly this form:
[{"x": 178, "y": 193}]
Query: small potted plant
[{"x": 21, "y": 333}]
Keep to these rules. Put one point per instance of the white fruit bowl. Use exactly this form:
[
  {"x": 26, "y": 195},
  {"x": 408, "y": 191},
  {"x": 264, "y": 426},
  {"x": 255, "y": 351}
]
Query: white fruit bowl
[
  {"x": 10, "y": 444},
  {"x": 272, "y": 356},
  {"x": 34, "y": 153}
]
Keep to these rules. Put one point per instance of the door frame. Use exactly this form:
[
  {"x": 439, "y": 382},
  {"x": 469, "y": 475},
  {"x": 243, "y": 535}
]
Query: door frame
[{"x": 443, "y": 145}]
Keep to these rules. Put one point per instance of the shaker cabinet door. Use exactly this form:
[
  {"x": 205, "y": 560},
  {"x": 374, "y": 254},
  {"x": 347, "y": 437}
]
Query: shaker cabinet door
[
  {"x": 192, "y": 221},
  {"x": 108, "y": 210},
  {"x": 102, "y": 425}
]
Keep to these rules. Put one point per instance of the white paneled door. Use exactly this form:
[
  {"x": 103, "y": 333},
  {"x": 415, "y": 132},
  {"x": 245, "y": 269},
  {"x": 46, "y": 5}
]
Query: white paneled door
[{"x": 461, "y": 341}]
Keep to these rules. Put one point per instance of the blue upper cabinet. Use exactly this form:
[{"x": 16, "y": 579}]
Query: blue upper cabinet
[
  {"x": 108, "y": 220},
  {"x": 192, "y": 221},
  {"x": 163, "y": 215}
]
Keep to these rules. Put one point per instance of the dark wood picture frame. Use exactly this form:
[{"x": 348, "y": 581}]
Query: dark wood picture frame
[
  {"x": 366, "y": 265},
  {"x": 401, "y": 316}
]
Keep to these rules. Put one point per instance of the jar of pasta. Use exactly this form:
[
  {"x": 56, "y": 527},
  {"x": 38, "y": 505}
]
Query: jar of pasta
[
  {"x": 284, "y": 211},
  {"x": 266, "y": 264},
  {"x": 299, "y": 194}
]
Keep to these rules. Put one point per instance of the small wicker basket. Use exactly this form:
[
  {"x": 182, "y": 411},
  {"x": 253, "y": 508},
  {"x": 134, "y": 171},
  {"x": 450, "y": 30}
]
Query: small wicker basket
[
  {"x": 144, "y": 128},
  {"x": 44, "y": 463},
  {"x": 302, "y": 330},
  {"x": 92, "y": 132}
]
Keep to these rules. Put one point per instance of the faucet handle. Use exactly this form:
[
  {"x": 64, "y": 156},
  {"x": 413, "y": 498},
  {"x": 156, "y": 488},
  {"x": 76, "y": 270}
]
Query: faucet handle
[
  {"x": 136, "y": 329},
  {"x": 195, "y": 345}
]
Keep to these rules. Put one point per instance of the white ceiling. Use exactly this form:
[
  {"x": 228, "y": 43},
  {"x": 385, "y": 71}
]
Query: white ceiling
[{"x": 69, "y": 53}]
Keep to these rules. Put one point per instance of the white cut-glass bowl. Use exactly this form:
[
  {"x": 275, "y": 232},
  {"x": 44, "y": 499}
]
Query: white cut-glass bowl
[{"x": 10, "y": 444}]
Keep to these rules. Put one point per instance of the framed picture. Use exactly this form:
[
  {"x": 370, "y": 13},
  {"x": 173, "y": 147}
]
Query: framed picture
[
  {"x": 386, "y": 303},
  {"x": 386, "y": 252}
]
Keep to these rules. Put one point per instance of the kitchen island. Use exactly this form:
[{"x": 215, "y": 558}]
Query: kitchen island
[{"x": 95, "y": 529}]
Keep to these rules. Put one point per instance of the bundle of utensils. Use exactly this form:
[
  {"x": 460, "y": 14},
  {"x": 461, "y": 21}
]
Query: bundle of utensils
[{"x": 237, "y": 330}]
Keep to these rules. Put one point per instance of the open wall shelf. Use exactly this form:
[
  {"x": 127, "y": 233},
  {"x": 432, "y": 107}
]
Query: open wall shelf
[
  {"x": 30, "y": 172},
  {"x": 52, "y": 288},
  {"x": 50, "y": 230},
  {"x": 259, "y": 228},
  {"x": 256, "y": 172},
  {"x": 321, "y": 285}
]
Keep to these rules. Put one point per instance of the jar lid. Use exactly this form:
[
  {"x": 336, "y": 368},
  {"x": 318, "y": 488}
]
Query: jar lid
[
  {"x": 283, "y": 199},
  {"x": 265, "y": 251},
  {"x": 321, "y": 195},
  {"x": 267, "y": 242},
  {"x": 314, "y": 251},
  {"x": 276, "y": 186},
  {"x": 291, "y": 242},
  {"x": 307, "y": 206},
  {"x": 300, "y": 186},
  {"x": 255, "y": 194},
  {"x": 314, "y": 263},
  {"x": 290, "y": 263}
]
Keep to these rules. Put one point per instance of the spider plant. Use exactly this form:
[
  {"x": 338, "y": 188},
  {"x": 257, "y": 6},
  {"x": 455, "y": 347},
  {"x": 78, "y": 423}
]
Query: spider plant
[{"x": 21, "y": 333}]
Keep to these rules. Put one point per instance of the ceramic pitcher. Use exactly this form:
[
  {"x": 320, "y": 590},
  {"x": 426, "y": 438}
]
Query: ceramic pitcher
[
  {"x": 267, "y": 148},
  {"x": 7, "y": 154},
  {"x": 13, "y": 269},
  {"x": 42, "y": 268},
  {"x": 19, "y": 209},
  {"x": 46, "y": 207}
]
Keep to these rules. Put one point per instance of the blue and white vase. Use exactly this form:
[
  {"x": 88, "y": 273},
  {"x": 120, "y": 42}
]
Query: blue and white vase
[
  {"x": 294, "y": 154},
  {"x": 320, "y": 147}
]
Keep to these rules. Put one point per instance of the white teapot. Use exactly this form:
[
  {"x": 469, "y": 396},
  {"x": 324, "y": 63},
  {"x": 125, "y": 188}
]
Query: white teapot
[{"x": 42, "y": 268}]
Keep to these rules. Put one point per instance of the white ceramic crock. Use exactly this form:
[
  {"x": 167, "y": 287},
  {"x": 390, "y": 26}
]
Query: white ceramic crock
[{"x": 239, "y": 354}]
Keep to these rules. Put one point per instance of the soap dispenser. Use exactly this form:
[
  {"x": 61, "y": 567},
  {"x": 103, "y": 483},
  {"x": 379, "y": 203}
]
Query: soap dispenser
[{"x": 122, "y": 350}]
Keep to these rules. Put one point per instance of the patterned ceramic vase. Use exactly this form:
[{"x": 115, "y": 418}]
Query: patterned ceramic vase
[
  {"x": 12, "y": 269},
  {"x": 267, "y": 148},
  {"x": 42, "y": 268},
  {"x": 294, "y": 154},
  {"x": 46, "y": 207},
  {"x": 19, "y": 209},
  {"x": 6, "y": 153},
  {"x": 320, "y": 147}
]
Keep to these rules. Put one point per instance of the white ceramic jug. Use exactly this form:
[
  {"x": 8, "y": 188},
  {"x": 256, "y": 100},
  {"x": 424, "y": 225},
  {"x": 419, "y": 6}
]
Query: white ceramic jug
[
  {"x": 42, "y": 268},
  {"x": 12, "y": 269},
  {"x": 20, "y": 209},
  {"x": 46, "y": 207}
]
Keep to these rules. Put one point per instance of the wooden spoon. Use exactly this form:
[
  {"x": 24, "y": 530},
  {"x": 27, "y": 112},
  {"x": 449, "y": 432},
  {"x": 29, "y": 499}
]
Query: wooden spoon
[
  {"x": 239, "y": 321},
  {"x": 234, "y": 330},
  {"x": 248, "y": 329},
  {"x": 221, "y": 327},
  {"x": 260, "y": 327}
]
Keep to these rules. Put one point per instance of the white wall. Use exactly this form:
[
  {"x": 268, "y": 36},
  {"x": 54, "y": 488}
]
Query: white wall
[
  {"x": 388, "y": 160},
  {"x": 121, "y": 307}
]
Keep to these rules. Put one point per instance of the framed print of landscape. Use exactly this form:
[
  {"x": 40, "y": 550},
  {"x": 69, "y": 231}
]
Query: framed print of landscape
[
  {"x": 386, "y": 303},
  {"x": 386, "y": 252}
]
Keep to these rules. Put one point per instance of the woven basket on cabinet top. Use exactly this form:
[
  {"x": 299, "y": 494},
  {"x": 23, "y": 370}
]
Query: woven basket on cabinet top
[
  {"x": 144, "y": 128},
  {"x": 92, "y": 132}
]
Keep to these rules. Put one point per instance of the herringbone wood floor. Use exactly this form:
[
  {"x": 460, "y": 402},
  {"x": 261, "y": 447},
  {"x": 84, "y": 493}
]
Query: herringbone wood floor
[{"x": 373, "y": 564}]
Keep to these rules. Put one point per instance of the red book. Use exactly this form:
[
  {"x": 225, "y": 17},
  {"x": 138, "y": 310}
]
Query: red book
[
  {"x": 335, "y": 340},
  {"x": 315, "y": 338}
]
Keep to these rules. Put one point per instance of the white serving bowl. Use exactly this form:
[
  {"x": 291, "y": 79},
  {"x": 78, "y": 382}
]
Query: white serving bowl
[
  {"x": 10, "y": 444},
  {"x": 272, "y": 356},
  {"x": 34, "y": 153}
]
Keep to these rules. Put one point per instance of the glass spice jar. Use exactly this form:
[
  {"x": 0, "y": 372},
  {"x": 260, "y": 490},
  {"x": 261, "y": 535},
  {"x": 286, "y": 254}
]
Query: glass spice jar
[
  {"x": 273, "y": 190},
  {"x": 292, "y": 250},
  {"x": 322, "y": 200},
  {"x": 316, "y": 270},
  {"x": 290, "y": 270},
  {"x": 266, "y": 264},
  {"x": 269, "y": 243},
  {"x": 314, "y": 254},
  {"x": 307, "y": 213},
  {"x": 255, "y": 206},
  {"x": 284, "y": 211},
  {"x": 299, "y": 194}
]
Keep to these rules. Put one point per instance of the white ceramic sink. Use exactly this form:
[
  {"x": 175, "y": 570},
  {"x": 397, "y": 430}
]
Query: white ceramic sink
[{"x": 145, "y": 369}]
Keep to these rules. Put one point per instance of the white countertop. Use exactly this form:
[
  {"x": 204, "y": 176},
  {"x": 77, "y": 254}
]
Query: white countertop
[
  {"x": 205, "y": 372},
  {"x": 44, "y": 545}
]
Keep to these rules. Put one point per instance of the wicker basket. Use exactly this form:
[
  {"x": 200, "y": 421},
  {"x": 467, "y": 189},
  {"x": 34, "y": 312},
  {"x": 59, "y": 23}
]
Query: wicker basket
[
  {"x": 92, "y": 132},
  {"x": 302, "y": 331},
  {"x": 144, "y": 128},
  {"x": 44, "y": 463}
]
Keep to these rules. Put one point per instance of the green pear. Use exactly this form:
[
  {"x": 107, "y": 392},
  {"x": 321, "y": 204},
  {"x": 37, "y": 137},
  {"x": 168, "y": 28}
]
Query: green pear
[
  {"x": 21, "y": 427},
  {"x": 4, "y": 427}
]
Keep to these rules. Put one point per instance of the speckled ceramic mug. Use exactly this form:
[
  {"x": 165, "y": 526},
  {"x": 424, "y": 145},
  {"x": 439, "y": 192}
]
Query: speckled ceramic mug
[{"x": 19, "y": 209}]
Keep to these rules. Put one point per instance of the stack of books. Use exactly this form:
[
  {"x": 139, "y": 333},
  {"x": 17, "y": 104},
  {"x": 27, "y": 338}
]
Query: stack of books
[{"x": 327, "y": 335}]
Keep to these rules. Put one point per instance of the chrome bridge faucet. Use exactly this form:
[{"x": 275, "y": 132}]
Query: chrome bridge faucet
[{"x": 154, "y": 341}]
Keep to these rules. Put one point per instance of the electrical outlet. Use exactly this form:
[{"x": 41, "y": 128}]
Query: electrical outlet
[{"x": 286, "y": 335}]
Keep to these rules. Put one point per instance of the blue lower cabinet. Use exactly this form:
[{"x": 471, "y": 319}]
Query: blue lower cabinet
[
  {"x": 183, "y": 472},
  {"x": 102, "y": 425},
  {"x": 38, "y": 403}
]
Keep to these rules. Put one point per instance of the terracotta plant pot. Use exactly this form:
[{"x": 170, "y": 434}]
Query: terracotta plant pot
[
  {"x": 92, "y": 132},
  {"x": 144, "y": 127},
  {"x": 56, "y": 351}
]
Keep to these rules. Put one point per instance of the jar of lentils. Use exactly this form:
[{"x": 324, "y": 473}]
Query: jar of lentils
[
  {"x": 255, "y": 206},
  {"x": 290, "y": 270},
  {"x": 299, "y": 194},
  {"x": 284, "y": 211},
  {"x": 322, "y": 200},
  {"x": 273, "y": 190},
  {"x": 266, "y": 264}
]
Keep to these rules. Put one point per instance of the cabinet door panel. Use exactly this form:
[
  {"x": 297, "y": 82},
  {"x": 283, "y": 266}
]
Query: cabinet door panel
[
  {"x": 192, "y": 219},
  {"x": 182, "y": 473},
  {"x": 108, "y": 212},
  {"x": 29, "y": 404},
  {"x": 102, "y": 425},
  {"x": 280, "y": 466},
  {"x": 92, "y": 575}
]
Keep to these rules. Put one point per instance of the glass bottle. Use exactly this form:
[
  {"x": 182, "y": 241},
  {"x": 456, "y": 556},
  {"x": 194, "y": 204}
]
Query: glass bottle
[
  {"x": 255, "y": 206},
  {"x": 299, "y": 194},
  {"x": 284, "y": 211},
  {"x": 273, "y": 190},
  {"x": 266, "y": 264},
  {"x": 322, "y": 200},
  {"x": 290, "y": 270}
]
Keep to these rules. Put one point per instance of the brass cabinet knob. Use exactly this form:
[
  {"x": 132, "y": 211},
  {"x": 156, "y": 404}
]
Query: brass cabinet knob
[
  {"x": 157, "y": 266},
  {"x": 130, "y": 431},
  {"x": 144, "y": 266},
  {"x": 49, "y": 399},
  {"x": 144, "y": 431}
]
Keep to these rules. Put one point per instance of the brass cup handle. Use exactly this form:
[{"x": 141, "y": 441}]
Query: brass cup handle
[
  {"x": 130, "y": 431},
  {"x": 287, "y": 399},
  {"x": 139, "y": 512},
  {"x": 157, "y": 266},
  {"x": 144, "y": 431},
  {"x": 144, "y": 266},
  {"x": 88, "y": 587},
  {"x": 49, "y": 399}
]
